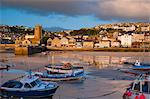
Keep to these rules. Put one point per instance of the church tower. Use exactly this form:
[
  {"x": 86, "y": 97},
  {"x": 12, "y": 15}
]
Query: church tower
[{"x": 38, "y": 32}]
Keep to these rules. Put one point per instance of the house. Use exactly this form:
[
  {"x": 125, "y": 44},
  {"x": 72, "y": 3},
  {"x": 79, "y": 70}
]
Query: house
[
  {"x": 49, "y": 41},
  {"x": 88, "y": 44},
  {"x": 85, "y": 37},
  {"x": 97, "y": 45},
  {"x": 137, "y": 37},
  {"x": 145, "y": 28},
  {"x": 18, "y": 42},
  {"x": 129, "y": 28},
  {"x": 126, "y": 40},
  {"x": 104, "y": 44},
  {"x": 26, "y": 43},
  {"x": 147, "y": 37},
  {"x": 115, "y": 44},
  {"x": 64, "y": 42},
  {"x": 56, "y": 42},
  {"x": 79, "y": 43},
  {"x": 72, "y": 42},
  {"x": 137, "y": 44}
]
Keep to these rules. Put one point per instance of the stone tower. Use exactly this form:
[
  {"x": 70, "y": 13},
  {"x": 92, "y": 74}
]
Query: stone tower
[{"x": 38, "y": 32}]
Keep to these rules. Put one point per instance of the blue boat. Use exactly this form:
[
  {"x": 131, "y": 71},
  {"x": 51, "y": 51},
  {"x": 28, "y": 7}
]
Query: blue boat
[
  {"x": 28, "y": 87},
  {"x": 139, "y": 66},
  {"x": 61, "y": 72},
  {"x": 66, "y": 68},
  {"x": 60, "y": 77}
]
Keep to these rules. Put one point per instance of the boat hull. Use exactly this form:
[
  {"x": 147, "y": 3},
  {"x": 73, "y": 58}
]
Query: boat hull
[
  {"x": 29, "y": 93},
  {"x": 60, "y": 69},
  {"x": 60, "y": 77},
  {"x": 142, "y": 68}
]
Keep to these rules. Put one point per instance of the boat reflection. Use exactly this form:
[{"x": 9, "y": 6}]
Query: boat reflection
[{"x": 98, "y": 61}]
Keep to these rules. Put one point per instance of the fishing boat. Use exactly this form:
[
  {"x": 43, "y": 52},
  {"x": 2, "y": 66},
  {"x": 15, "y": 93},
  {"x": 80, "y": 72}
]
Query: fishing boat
[
  {"x": 47, "y": 76},
  {"x": 139, "y": 66},
  {"x": 61, "y": 72},
  {"x": 28, "y": 87},
  {"x": 139, "y": 89},
  {"x": 63, "y": 68}
]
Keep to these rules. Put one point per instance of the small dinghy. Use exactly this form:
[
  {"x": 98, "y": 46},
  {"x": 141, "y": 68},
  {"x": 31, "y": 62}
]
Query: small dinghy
[
  {"x": 139, "y": 89},
  {"x": 61, "y": 72},
  {"x": 141, "y": 67},
  {"x": 28, "y": 87}
]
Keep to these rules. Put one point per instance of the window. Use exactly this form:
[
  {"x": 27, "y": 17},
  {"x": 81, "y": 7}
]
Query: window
[
  {"x": 145, "y": 87},
  {"x": 33, "y": 83},
  {"x": 137, "y": 87},
  {"x": 27, "y": 85},
  {"x": 38, "y": 81}
]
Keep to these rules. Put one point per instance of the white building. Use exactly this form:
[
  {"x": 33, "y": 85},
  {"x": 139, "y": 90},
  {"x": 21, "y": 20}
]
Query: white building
[
  {"x": 128, "y": 28},
  {"x": 104, "y": 44},
  {"x": 126, "y": 40},
  {"x": 115, "y": 44}
]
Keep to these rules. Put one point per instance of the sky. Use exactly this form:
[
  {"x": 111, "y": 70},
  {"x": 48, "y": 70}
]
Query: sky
[{"x": 73, "y": 14}]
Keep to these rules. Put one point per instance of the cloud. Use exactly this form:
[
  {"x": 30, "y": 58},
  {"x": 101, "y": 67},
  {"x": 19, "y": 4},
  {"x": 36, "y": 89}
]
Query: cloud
[{"x": 102, "y": 9}]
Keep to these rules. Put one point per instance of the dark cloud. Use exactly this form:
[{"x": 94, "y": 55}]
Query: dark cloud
[{"x": 103, "y": 9}]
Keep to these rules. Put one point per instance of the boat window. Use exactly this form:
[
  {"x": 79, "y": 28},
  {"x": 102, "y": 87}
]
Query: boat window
[
  {"x": 145, "y": 87},
  {"x": 13, "y": 84},
  {"x": 137, "y": 87},
  {"x": 148, "y": 87},
  {"x": 27, "y": 85},
  {"x": 33, "y": 83},
  {"x": 37, "y": 81}
]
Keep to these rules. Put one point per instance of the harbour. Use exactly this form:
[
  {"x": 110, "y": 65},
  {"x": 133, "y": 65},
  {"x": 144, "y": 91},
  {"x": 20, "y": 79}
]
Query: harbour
[{"x": 103, "y": 80}]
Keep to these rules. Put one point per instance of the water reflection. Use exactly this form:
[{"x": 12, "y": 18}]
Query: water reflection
[{"x": 99, "y": 61}]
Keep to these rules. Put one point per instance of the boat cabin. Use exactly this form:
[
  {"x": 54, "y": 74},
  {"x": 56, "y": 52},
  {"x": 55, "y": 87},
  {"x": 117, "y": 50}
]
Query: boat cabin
[
  {"x": 141, "y": 85},
  {"x": 27, "y": 82}
]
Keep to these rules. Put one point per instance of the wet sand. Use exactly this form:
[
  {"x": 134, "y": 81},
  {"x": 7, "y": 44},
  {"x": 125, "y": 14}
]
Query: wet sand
[{"x": 103, "y": 80}]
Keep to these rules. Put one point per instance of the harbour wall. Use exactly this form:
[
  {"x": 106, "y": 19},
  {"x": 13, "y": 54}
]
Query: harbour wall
[
  {"x": 28, "y": 50},
  {"x": 101, "y": 49}
]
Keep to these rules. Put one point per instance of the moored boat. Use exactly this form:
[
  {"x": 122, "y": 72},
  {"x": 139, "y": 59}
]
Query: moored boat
[
  {"x": 61, "y": 72},
  {"x": 65, "y": 68},
  {"x": 139, "y": 89},
  {"x": 60, "y": 77},
  {"x": 28, "y": 87},
  {"x": 139, "y": 66}
]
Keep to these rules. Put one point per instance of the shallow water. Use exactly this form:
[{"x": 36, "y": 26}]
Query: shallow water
[{"x": 103, "y": 80}]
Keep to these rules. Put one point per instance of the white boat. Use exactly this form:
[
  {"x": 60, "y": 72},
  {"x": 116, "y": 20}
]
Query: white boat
[
  {"x": 139, "y": 89},
  {"x": 28, "y": 87},
  {"x": 65, "y": 68},
  {"x": 61, "y": 72},
  {"x": 48, "y": 76}
]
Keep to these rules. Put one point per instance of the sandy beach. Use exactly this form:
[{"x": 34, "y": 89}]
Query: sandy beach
[{"x": 102, "y": 78}]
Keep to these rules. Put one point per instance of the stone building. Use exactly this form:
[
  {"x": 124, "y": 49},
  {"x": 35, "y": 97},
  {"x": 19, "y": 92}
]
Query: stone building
[
  {"x": 64, "y": 42},
  {"x": 88, "y": 44},
  {"x": 33, "y": 39},
  {"x": 55, "y": 42},
  {"x": 104, "y": 44},
  {"x": 72, "y": 42},
  {"x": 49, "y": 42}
]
